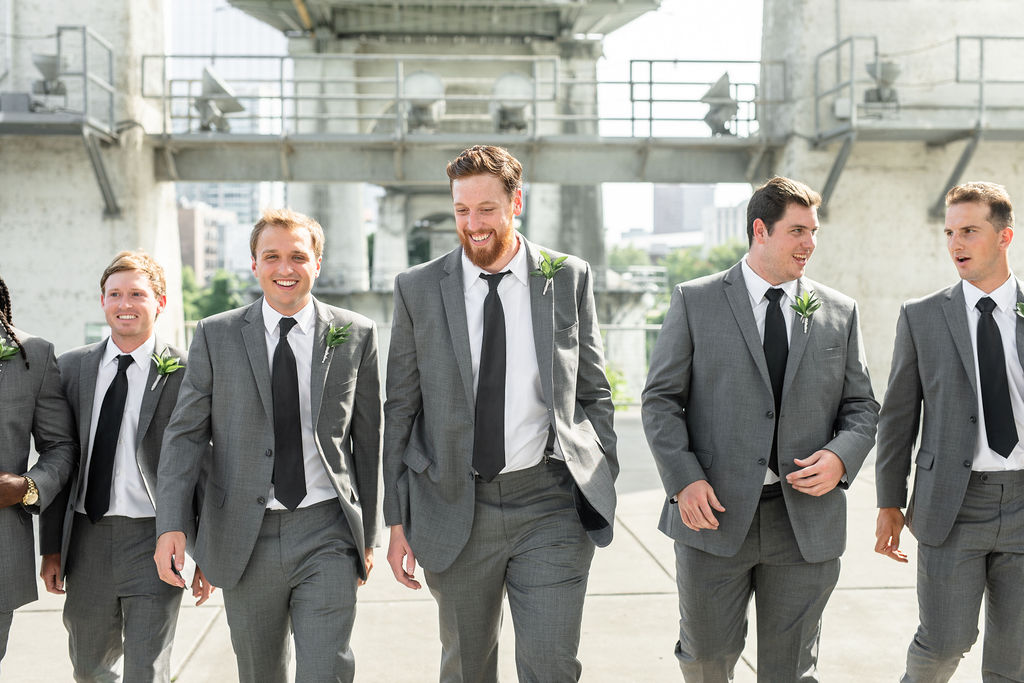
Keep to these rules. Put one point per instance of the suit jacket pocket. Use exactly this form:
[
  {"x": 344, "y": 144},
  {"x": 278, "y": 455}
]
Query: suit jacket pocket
[
  {"x": 925, "y": 460},
  {"x": 416, "y": 461},
  {"x": 567, "y": 336},
  {"x": 829, "y": 352}
]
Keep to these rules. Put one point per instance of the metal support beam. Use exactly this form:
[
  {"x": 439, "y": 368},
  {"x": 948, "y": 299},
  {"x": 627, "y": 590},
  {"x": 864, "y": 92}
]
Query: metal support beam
[
  {"x": 92, "y": 148},
  {"x": 836, "y": 171},
  {"x": 938, "y": 209}
]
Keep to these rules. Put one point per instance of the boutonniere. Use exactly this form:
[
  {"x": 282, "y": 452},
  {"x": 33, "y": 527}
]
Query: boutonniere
[
  {"x": 166, "y": 364},
  {"x": 548, "y": 268},
  {"x": 805, "y": 306},
  {"x": 336, "y": 336},
  {"x": 7, "y": 351},
  {"x": 1020, "y": 309}
]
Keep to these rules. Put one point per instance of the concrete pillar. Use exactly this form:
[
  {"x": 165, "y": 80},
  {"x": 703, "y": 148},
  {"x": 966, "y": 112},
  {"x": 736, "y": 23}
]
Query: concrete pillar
[
  {"x": 877, "y": 242},
  {"x": 390, "y": 255},
  {"x": 337, "y": 206},
  {"x": 55, "y": 239}
]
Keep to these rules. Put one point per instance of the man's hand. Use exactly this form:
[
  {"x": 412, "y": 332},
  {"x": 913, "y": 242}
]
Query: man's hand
[
  {"x": 201, "y": 588},
  {"x": 819, "y": 473},
  {"x": 13, "y": 488},
  {"x": 696, "y": 504},
  {"x": 368, "y": 559},
  {"x": 49, "y": 572},
  {"x": 170, "y": 557},
  {"x": 401, "y": 559},
  {"x": 887, "y": 533}
]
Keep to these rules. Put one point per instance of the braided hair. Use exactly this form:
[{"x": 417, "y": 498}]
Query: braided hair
[{"x": 5, "y": 319}]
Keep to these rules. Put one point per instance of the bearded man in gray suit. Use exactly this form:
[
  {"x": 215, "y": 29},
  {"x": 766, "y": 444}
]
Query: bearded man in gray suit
[
  {"x": 288, "y": 390},
  {"x": 759, "y": 416},
  {"x": 957, "y": 379},
  {"x": 102, "y": 533},
  {"x": 499, "y": 453},
  {"x": 33, "y": 406}
]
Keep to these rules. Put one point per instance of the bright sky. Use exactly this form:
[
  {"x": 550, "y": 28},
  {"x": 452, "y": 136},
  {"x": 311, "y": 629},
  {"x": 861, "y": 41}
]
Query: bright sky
[{"x": 679, "y": 29}]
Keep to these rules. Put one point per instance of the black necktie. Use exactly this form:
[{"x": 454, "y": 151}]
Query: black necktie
[
  {"x": 104, "y": 445},
  {"x": 995, "y": 390},
  {"x": 489, "y": 427},
  {"x": 289, "y": 473},
  {"x": 776, "y": 349}
]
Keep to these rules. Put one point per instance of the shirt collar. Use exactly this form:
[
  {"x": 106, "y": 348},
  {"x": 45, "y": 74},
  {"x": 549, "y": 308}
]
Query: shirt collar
[
  {"x": 517, "y": 267},
  {"x": 757, "y": 286},
  {"x": 303, "y": 318},
  {"x": 140, "y": 356},
  {"x": 1005, "y": 295}
]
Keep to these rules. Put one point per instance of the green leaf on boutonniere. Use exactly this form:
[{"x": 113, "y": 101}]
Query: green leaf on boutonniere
[
  {"x": 805, "y": 306},
  {"x": 548, "y": 268},
  {"x": 336, "y": 336},
  {"x": 7, "y": 351},
  {"x": 1020, "y": 309},
  {"x": 166, "y": 364}
]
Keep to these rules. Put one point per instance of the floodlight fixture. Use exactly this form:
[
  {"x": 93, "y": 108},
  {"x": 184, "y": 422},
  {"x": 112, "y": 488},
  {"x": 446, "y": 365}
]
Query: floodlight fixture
[
  {"x": 884, "y": 73},
  {"x": 722, "y": 107},
  {"x": 423, "y": 93},
  {"x": 215, "y": 101},
  {"x": 513, "y": 91},
  {"x": 49, "y": 67}
]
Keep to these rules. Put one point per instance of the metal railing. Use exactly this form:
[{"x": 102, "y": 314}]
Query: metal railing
[
  {"x": 89, "y": 86},
  {"x": 367, "y": 95}
]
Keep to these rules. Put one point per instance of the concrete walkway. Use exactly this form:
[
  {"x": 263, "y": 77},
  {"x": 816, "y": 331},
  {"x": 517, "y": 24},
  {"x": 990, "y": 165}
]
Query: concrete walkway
[{"x": 629, "y": 627}]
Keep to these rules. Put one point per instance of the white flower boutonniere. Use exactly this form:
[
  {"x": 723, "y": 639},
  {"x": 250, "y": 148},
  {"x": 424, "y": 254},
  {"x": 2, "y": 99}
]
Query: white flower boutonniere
[
  {"x": 548, "y": 268},
  {"x": 166, "y": 364},
  {"x": 805, "y": 306},
  {"x": 336, "y": 336}
]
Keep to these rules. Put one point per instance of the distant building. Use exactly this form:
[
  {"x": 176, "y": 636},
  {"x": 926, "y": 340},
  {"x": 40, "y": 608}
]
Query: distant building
[
  {"x": 723, "y": 224},
  {"x": 203, "y": 230},
  {"x": 678, "y": 208}
]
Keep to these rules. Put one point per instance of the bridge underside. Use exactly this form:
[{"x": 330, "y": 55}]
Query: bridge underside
[{"x": 561, "y": 159}]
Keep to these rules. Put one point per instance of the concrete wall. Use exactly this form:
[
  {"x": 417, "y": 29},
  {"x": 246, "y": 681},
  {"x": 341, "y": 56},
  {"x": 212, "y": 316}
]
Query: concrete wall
[
  {"x": 55, "y": 239},
  {"x": 877, "y": 242}
]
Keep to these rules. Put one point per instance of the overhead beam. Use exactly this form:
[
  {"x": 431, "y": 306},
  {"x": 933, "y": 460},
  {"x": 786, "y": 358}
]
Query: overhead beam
[{"x": 418, "y": 159}]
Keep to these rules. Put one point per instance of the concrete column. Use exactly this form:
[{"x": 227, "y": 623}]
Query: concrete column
[
  {"x": 55, "y": 239},
  {"x": 390, "y": 255}
]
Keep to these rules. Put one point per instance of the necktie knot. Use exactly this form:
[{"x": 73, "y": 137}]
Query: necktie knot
[
  {"x": 123, "y": 361},
  {"x": 286, "y": 326},
  {"x": 985, "y": 305},
  {"x": 774, "y": 295},
  {"x": 494, "y": 279}
]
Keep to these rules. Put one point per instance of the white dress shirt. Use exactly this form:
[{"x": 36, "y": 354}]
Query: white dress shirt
[
  {"x": 300, "y": 339},
  {"x": 128, "y": 494},
  {"x": 1005, "y": 315},
  {"x": 526, "y": 413},
  {"x": 756, "y": 288}
]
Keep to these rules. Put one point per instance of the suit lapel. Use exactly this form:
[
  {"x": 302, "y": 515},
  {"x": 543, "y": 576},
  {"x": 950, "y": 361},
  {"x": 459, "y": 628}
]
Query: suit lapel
[
  {"x": 320, "y": 363},
  {"x": 150, "y": 397},
  {"x": 955, "y": 308},
  {"x": 797, "y": 341},
  {"x": 1019, "y": 325},
  {"x": 739, "y": 301},
  {"x": 454, "y": 298},
  {"x": 542, "y": 310},
  {"x": 87, "y": 371},
  {"x": 255, "y": 339}
]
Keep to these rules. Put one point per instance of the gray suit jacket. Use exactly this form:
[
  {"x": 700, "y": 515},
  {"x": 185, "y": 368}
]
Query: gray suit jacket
[
  {"x": 32, "y": 405},
  {"x": 708, "y": 410},
  {"x": 428, "y": 434},
  {"x": 226, "y": 397},
  {"x": 933, "y": 349},
  {"x": 78, "y": 370}
]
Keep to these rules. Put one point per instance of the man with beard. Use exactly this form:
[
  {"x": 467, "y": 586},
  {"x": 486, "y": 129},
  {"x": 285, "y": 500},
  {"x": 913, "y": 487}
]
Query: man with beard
[{"x": 499, "y": 453}]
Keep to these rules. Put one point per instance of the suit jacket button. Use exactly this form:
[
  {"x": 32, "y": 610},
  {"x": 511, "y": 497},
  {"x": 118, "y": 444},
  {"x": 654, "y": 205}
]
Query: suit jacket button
[
  {"x": 269, "y": 453},
  {"x": 770, "y": 414},
  {"x": 261, "y": 500},
  {"x": 967, "y": 463},
  {"x": 762, "y": 461},
  {"x": 973, "y": 419}
]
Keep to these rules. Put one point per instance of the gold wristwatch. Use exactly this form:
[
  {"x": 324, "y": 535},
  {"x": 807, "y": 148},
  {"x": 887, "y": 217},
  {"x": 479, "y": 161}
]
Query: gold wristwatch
[{"x": 32, "y": 495}]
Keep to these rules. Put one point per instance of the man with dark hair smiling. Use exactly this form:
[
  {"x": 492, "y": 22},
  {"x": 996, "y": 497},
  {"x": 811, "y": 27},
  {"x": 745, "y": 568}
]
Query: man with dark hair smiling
[
  {"x": 759, "y": 412},
  {"x": 957, "y": 380},
  {"x": 499, "y": 453}
]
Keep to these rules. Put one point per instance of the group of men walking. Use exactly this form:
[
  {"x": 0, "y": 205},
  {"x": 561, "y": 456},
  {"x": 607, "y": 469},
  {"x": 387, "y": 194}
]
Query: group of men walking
[{"x": 267, "y": 454}]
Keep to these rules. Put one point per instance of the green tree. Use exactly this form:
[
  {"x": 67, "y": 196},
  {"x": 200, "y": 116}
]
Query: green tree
[
  {"x": 726, "y": 255},
  {"x": 189, "y": 293},
  {"x": 621, "y": 258},
  {"x": 222, "y": 293},
  {"x": 685, "y": 264}
]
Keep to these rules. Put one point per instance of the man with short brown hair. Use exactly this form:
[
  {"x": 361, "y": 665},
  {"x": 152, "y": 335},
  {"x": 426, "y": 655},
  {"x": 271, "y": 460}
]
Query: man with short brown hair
[{"x": 957, "y": 379}]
